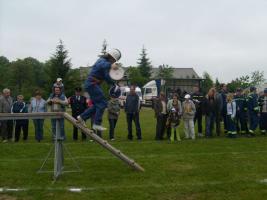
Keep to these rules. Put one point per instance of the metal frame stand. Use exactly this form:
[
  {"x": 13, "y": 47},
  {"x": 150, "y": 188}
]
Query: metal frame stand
[{"x": 59, "y": 149}]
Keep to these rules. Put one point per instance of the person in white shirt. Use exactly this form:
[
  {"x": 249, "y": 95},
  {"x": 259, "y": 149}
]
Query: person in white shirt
[{"x": 231, "y": 116}]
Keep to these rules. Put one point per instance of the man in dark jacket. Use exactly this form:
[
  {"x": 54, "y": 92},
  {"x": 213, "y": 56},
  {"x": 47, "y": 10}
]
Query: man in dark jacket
[
  {"x": 160, "y": 108},
  {"x": 20, "y": 106},
  {"x": 223, "y": 94},
  {"x": 253, "y": 110},
  {"x": 78, "y": 106},
  {"x": 132, "y": 108},
  {"x": 240, "y": 111},
  {"x": 198, "y": 99}
]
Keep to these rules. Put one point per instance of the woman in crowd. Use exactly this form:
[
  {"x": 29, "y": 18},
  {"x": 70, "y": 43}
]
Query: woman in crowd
[
  {"x": 231, "y": 116},
  {"x": 189, "y": 110},
  {"x": 38, "y": 104},
  {"x": 174, "y": 109}
]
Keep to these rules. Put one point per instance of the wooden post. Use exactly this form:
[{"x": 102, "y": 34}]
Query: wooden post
[{"x": 104, "y": 143}]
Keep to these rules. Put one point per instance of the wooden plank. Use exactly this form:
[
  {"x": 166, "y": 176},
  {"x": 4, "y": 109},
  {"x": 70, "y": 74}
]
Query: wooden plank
[
  {"x": 39, "y": 115},
  {"x": 104, "y": 143}
]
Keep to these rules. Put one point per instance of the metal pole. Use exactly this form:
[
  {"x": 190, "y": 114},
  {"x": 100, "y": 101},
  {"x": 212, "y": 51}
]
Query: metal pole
[{"x": 58, "y": 160}]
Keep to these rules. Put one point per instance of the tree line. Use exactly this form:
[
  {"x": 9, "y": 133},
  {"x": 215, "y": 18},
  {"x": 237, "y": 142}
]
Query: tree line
[{"x": 24, "y": 76}]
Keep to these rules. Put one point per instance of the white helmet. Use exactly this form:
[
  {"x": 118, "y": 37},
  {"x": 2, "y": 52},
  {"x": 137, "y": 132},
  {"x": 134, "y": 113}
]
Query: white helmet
[
  {"x": 115, "y": 53},
  {"x": 187, "y": 96}
]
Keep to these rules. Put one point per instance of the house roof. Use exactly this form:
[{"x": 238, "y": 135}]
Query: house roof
[{"x": 179, "y": 73}]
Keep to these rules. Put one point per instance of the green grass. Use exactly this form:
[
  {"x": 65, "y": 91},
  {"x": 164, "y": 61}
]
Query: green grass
[{"x": 218, "y": 168}]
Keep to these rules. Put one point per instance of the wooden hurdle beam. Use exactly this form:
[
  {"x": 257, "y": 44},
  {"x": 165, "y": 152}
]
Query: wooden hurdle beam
[{"x": 87, "y": 131}]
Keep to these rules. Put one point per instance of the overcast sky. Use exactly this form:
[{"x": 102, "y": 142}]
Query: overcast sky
[{"x": 227, "y": 38}]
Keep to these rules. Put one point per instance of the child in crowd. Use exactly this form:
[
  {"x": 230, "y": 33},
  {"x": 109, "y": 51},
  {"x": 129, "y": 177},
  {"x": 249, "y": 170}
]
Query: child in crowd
[
  {"x": 113, "y": 110},
  {"x": 173, "y": 120},
  {"x": 231, "y": 116},
  {"x": 59, "y": 84},
  {"x": 189, "y": 110}
]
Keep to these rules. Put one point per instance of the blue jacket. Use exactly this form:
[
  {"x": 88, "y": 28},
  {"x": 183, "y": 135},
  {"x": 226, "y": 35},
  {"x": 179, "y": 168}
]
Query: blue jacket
[
  {"x": 100, "y": 71},
  {"x": 240, "y": 103},
  {"x": 252, "y": 103}
]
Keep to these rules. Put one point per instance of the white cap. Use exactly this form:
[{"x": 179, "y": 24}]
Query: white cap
[
  {"x": 59, "y": 79},
  {"x": 115, "y": 53},
  {"x": 187, "y": 96}
]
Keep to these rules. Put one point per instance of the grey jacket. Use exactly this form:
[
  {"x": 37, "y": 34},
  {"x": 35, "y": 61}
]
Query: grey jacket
[
  {"x": 189, "y": 110},
  {"x": 5, "y": 104},
  {"x": 113, "y": 109}
]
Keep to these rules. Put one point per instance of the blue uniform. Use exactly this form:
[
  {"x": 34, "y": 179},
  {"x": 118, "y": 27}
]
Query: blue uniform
[
  {"x": 253, "y": 110},
  {"x": 241, "y": 113},
  {"x": 99, "y": 73},
  {"x": 263, "y": 114}
]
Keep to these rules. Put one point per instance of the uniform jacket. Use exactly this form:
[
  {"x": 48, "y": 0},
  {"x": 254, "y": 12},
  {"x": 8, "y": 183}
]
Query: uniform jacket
[
  {"x": 19, "y": 107},
  {"x": 198, "y": 99},
  {"x": 100, "y": 71},
  {"x": 78, "y": 104},
  {"x": 252, "y": 102},
  {"x": 263, "y": 104},
  {"x": 241, "y": 104}
]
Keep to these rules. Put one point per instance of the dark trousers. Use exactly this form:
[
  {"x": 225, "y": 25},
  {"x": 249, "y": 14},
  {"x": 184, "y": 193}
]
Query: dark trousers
[
  {"x": 263, "y": 122},
  {"x": 112, "y": 125},
  {"x": 133, "y": 117},
  {"x": 241, "y": 123},
  {"x": 224, "y": 117},
  {"x": 75, "y": 131},
  {"x": 6, "y": 129},
  {"x": 24, "y": 125},
  {"x": 198, "y": 118},
  {"x": 209, "y": 124},
  {"x": 160, "y": 127},
  {"x": 253, "y": 120},
  {"x": 231, "y": 125},
  {"x": 218, "y": 123}
]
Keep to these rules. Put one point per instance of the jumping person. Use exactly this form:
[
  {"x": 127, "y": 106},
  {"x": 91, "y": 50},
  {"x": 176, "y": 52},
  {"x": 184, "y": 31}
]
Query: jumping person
[{"x": 99, "y": 73}]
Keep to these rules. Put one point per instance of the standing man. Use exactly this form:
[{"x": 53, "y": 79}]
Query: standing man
[
  {"x": 98, "y": 74},
  {"x": 240, "y": 100},
  {"x": 132, "y": 108},
  {"x": 6, "y": 102},
  {"x": 198, "y": 99},
  {"x": 263, "y": 112},
  {"x": 57, "y": 102},
  {"x": 253, "y": 110},
  {"x": 20, "y": 106},
  {"x": 78, "y": 105},
  {"x": 160, "y": 107},
  {"x": 223, "y": 94}
]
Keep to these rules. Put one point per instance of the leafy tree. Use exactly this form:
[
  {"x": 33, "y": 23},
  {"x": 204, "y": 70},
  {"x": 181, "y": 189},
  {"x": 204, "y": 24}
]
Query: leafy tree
[
  {"x": 72, "y": 80},
  {"x": 4, "y": 64},
  {"x": 57, "y": 66},
  {"x": 135, "y": 76},
  {"x": 207, "y": 83},
  {"x": 257, "y": 78},
  {"x": 165, "y": 72},
  {"x": 217, "y": 84},
  {"x": 21, "y": 78},
  {"x": 144, "y": 65}
]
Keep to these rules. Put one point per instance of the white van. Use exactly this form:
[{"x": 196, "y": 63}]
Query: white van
[
  {"x": 150, "y": 92},
  {"x": 125, "y": 91}
]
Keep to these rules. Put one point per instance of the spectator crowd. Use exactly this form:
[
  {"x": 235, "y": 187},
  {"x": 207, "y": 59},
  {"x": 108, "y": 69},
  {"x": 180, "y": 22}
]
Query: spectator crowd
[{"x": 241, "y": 113}]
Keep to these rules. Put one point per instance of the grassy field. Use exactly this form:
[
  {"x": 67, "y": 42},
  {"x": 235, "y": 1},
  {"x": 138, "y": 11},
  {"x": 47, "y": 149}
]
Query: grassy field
[{"x": 218, "y": 168}]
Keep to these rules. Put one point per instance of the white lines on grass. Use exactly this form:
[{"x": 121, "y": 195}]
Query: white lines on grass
[
  {"x": 132, "y": 186},
  {"x": 136, "y": 156}
]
